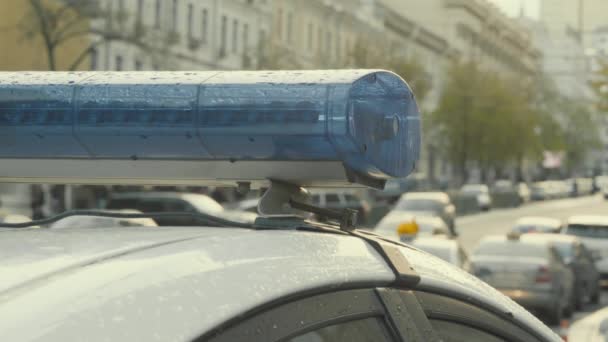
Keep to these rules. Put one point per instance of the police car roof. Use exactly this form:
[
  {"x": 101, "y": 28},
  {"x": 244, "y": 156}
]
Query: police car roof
[{"x": 176, "y": 283}]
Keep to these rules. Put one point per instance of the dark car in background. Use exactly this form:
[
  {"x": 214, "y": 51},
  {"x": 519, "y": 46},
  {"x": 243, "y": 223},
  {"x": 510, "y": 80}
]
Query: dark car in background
[
  {"x": 593, "y": 231},
  {"x": 165, "y": 202},
  {"x": 342, "y": 199},
  {"x": 575, "y": 255}
]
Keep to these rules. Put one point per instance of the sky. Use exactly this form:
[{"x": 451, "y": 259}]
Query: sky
[{"x": 513, "y": 7}]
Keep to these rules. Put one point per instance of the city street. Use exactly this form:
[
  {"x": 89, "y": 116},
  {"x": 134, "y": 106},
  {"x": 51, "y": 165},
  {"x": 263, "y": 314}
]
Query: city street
[{"x": 474, "y": 227}]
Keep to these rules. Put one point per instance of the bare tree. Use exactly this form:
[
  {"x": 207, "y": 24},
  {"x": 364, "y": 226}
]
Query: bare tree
[{"x": 59, "y": 22}]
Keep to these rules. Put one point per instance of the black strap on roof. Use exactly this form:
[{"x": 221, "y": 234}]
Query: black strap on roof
[{"x": 405, "y": 275}]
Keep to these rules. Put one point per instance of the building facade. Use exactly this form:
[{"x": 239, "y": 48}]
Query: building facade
[
  {"x": 477, "y": 30},
  {"x": 181, "y": 34}
]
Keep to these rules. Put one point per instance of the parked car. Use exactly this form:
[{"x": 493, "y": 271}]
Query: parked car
[
  {"x": 341, "y": 199},
  {"x": 390, "y": 225},
  {"x": 394, "y": 188},
  {"x": 481, "y": 193},
  {"x": 147, "y": 202},
  {"x": 580, "y": 186},
  {"x": 82, "y": 221},
  {"x": 601, "y": 182},
  {"x": 593, "y": 328},
  {"x": 444, "y": 248},
  {"x": 593, "y": 231},
  {"x": 531, "y": 272},
  {"x": 579, "y": 259},
  {"x": 524, "y": 193},
  {"x": 534, "y": 224},
  {"x": 427, "y": 204}
]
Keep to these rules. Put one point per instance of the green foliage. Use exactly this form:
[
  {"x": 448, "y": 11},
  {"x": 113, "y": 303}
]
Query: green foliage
[
  {"x": 494, "y": 122},
  {"x": 600, "y": 85}
]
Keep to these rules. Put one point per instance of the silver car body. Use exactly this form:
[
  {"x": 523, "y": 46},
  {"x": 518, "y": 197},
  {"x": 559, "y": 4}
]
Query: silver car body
[
  {"x": 513, "y": 266},
  {"x": 173, "y": 284}
]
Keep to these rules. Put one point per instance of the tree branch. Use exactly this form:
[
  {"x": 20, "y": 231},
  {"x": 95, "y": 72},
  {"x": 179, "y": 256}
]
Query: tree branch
[{"x": 39, "y": 10}]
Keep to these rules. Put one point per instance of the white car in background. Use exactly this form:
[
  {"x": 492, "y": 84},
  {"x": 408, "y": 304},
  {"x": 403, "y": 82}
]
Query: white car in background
[
  {"x": 390, "y": 225},
  {"x": 593, "y": 328},
  {"x": 441, "y": 246},
  {"x": 481, "y": 193}
]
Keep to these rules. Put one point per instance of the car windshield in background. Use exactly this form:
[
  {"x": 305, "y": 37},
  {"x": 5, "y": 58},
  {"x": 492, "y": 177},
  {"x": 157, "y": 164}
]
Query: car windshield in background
[
  {"x": 587, "y": 231},
  {"x": 566, "y": 250},
  {"x": 511, "y": 249},
  {"x": 419, "y": 205}
]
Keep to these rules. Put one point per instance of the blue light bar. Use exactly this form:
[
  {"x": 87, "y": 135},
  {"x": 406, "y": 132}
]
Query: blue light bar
[{"x": 300, "y": 121}]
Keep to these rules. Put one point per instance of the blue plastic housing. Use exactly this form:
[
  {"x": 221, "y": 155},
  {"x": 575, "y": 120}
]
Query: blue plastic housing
[{"x": 367, "y": 120}]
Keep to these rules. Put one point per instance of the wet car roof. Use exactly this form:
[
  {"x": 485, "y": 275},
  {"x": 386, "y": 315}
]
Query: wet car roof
[{"x": 158, "y": 284}]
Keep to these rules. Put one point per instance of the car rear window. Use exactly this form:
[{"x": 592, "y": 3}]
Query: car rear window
[
  {"x": 588, "y": 231},
  {"x": 527, "y": 228},
  {"x": 512, "y": 248}
]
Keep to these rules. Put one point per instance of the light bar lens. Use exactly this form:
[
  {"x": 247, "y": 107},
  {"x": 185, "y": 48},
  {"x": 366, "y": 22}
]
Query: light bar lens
[{"x": 368, "y": 120}]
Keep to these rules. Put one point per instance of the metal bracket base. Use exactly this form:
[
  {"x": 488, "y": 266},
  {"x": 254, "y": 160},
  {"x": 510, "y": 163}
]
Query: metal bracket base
[{"x": 284, "y": 199}]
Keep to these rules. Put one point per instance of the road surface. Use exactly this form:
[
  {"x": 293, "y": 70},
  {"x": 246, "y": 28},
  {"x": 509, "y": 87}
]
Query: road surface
[{"x": 474, "y": 227}]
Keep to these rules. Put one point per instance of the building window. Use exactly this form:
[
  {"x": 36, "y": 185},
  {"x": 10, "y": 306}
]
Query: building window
[
  {"x": 310, "y": 36},
  {"x": 320, "y": 39},
  {"x": 174, "y": 15},
  {"x": 140, "y": 13},
  {"x": 223, "y": 36},
  {"x": 118, "y": 63},
  {"x": 245, "y": 37},
  {"x": 121, "y": 13},
  {"x": 205, "y": 25},
  {"x": 157, "y": 13},
  {"x": 235, "y": 35},
  {"x": 290, "y": 27},
  {"x": 139, "y": 66},
  {"x": 94, "y": 59},
  {"x": 262, "y": 39},
  {"x": 190, "y": 19},
  {"x": 338, "y": 46},
  {"x": 280, "y": 23}
]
